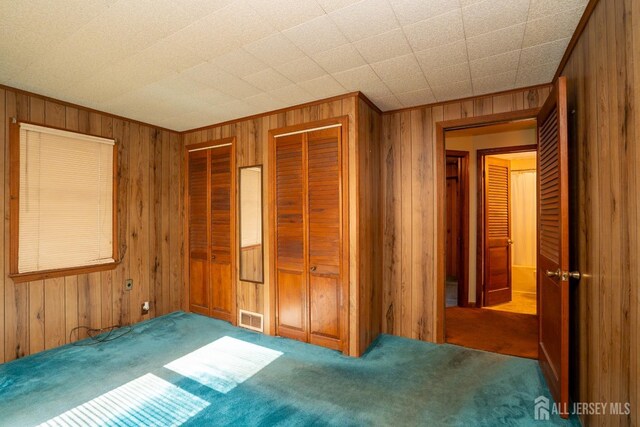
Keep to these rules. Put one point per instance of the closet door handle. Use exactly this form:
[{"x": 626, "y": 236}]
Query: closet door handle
[{"x": 314, "y": 268}]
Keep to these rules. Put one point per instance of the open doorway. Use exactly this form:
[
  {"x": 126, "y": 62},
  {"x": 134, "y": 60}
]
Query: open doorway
[{"x": 490, "y": 266}]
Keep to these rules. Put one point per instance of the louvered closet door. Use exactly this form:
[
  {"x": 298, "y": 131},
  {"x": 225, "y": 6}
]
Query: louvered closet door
[
  {"x": 553, "y": 243},
  {"x": 324, "y": 212},
  {"x": 220, "y": 161},
  {"x": 291, "y": 281},
  {"x": 199, "y": 297},
  {"x": 497, "y": 282}
]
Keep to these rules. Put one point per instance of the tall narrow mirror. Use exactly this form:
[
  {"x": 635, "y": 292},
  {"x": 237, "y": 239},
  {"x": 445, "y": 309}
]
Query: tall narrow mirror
[{"x": 251, "y": 247}]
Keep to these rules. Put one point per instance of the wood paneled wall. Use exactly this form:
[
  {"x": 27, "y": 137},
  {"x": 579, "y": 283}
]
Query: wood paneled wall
[
  {"x": 39, "y": 315},
  {"x": 252, "y": 136},
  {"x": 369, "y": 236},
  {"x": 603, "y": 73},
  {"x": 411, "y": 210}
]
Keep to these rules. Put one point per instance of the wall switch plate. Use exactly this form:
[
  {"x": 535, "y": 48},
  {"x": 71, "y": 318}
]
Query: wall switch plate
[{"x": 128, "y": 284}]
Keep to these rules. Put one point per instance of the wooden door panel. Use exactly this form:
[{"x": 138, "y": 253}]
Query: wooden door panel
[
  {"x": 324, "y": 303},
  {"x": 198, "y": 242},
  {"x": 553, "y": 243},
  {"x": 497, "y": 189},
  {"x": 221, "y": 291},
  {"x": 292, "y": 305},
  {"x": 198, "y": 286}
]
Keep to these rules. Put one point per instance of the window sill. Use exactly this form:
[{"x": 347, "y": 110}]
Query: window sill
[{"x": 50, "y": 274}]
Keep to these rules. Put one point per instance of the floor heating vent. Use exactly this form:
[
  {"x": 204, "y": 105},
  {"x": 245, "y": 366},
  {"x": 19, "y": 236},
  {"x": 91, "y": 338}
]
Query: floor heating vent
[{"x": 251, "y": 320}]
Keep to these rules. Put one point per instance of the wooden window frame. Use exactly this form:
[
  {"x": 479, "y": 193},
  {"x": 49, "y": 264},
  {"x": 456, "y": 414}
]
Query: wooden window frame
[{"x": 14, "y": 211}]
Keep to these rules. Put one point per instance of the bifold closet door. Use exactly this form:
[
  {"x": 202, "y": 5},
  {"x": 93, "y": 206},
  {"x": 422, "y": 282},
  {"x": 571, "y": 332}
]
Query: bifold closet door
[
  {"x": 220, "y": 173},
  {"x": 324, "y": 243},
  {"x": 309, "y": 237},
  {"x": 290, "y": 244},
  {"x": 211, "y": 230},
  {"x": 199, "y": 297}
]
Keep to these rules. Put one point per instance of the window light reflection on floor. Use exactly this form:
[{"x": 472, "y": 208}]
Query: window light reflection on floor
[
  {"x": 224, "y": 363},
  {"x": 147, "y": 400}
]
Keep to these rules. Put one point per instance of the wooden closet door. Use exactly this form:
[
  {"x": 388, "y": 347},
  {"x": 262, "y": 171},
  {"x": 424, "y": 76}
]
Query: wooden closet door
[
  {"x": 290, "y": 215},
  {"x": 221, "y": 171},
  {"x": 198, "y": 233},
  {"x": 324, "y": 238}
]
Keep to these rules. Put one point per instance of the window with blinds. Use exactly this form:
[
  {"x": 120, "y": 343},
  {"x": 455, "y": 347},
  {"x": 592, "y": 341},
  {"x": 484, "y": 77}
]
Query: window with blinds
[{"x": 66, "y": 203}]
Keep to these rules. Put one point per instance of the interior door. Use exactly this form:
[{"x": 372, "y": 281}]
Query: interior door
[
  {"x": 553, "y": 243},
  {"x": 454, "y": 212},
  {"x": 221, "y": 229},
  {"x": 325, "y": 219},
  {"x": 497, "y": 216},
  {"x": 199, "y": 296},
  {"x": 290, "y": 214}
]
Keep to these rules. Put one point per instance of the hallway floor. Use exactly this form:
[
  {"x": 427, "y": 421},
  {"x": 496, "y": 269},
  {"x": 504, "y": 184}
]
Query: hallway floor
[
  {"x": 192, "y": 370},
  {"x": 521, "y": 302},
  {"x": 501, "y": 332}
]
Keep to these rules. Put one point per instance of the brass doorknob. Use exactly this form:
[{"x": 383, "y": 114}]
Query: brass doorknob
[
  {"x": 557, "y": 273},
  {"x": 509, "y": 242}
]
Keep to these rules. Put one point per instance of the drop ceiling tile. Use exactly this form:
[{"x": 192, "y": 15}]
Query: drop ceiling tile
[
  {"x": 410, "y": 11},
  {"x": 494, "y": 83},
  {"x": 496, "y": 42},
  {"x": 200, "y": 8},
  {"x": 356, "y": 78},
  {"x": 316, "y": 36},
  {"x": 491, "y": 15},
  {"x": 331, "y": 5},
  {"x": 451, "y": 91},
  {"x": 436, "y": 31},
  {"x": 301, "y": 70},
  {"x": 383, "y": 46},
  {"x": 169, "y": 52},
  {"x": 543, "y": 53},
  {"x": 497, "y": 64},
  {"x": 275, "y": 50},
  {"x": 340, "y": 58},
  {"x": 267, "y": 80},
  {"x": 376, "y": 90},
  {"x": 238, "y": 22},
  {"x": 239, "y": 62},
  {"x": 292, "y": 95},
  {"x": 552, "y": 27},
  {"x": 387, "y": 103},
  {"x": 540, "y": 8},
  {"x": 419, "y": 97},
  {"x": 407, "y": 83},
  {"x": 442, "y": 56},
  {"x": 398, "y": 66},
  {"x": 540, "y": 74},
  {"x": 214, "y": 77},
  {"x": 235, "y": 109},
  {"x": 265, "y": 102},
  {"x": 323, "y": 87},
  {"x": 365, "y": 19},
  {"x": 283, "y": 14},
  {"x": 465, "y": 3},
  {"x": 451, "y": 74}
]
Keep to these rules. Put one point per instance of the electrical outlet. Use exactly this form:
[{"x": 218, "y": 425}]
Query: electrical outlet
[
  {"x": 144, "y": 307},
  {"x": 128, "y": 284}
]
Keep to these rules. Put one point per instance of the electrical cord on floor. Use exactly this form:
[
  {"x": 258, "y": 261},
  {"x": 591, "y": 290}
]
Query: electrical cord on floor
[{"x": 111, "y": 333}]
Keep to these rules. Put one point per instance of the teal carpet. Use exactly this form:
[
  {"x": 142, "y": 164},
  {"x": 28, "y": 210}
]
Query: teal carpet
[{"x": 265, "y": 381}]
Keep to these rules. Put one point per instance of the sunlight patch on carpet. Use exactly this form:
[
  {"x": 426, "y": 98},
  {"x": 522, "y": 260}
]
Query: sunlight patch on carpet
[
  {"x": 224, "y": 363},
  {"x": 147, "y": 400}
]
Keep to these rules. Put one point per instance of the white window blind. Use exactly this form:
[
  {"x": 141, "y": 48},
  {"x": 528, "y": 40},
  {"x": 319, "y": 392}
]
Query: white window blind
[{"x": 66, "y": 199}]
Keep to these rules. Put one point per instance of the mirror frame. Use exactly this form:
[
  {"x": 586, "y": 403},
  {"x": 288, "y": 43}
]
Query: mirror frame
[{"x": 240, "y": 278}]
